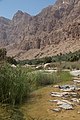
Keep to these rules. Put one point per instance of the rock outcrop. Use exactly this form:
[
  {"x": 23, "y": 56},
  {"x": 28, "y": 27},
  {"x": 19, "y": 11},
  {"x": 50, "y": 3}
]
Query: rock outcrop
[{"x": 55, "y": 30}]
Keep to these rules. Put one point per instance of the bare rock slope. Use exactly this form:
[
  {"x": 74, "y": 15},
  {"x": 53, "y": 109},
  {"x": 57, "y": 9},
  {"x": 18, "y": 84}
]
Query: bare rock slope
[{"x": 55, "y": 30}]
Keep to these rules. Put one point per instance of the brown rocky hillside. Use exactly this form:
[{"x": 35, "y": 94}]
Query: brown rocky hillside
[{"x": 56, "y": 29}]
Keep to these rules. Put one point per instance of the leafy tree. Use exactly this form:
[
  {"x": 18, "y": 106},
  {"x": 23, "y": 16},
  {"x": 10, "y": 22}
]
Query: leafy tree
[
  {"x": 11, "y": 60},
  {"x": 3, "y": 53}
]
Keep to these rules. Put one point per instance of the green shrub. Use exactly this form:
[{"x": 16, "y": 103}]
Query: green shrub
[{"x": 42, "y": 78}]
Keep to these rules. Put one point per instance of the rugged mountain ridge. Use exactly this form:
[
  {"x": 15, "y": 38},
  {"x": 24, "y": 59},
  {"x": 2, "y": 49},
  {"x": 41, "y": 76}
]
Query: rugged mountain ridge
[{"x": 56, "y": 29}]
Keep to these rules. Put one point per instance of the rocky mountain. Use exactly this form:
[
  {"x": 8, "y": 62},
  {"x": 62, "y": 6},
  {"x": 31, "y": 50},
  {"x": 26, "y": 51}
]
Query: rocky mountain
[{"x": 56, "y": 29}]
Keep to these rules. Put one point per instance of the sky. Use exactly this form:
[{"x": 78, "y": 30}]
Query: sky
[{"x": 9, "y": 7}]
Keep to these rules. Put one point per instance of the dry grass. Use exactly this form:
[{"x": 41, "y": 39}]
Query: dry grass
[
  {"x": 4, "y": 115},
  {"x": 10, "y": 113},
  {"x": 39, "y": 107}
]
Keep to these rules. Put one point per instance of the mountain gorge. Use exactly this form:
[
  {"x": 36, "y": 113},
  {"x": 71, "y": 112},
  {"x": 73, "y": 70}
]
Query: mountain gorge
[{"x": 56, "y": 29}]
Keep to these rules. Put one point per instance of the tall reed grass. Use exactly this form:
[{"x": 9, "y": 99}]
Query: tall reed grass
[
  {"x": 14, "y": 86},
  {"x": 42, "y": 78}
]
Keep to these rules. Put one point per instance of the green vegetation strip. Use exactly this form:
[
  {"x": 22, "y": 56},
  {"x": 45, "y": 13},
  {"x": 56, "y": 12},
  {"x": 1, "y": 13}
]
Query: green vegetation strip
[
  {"x": 17, "y": 83},
  {"x": 68, "y": 57}
]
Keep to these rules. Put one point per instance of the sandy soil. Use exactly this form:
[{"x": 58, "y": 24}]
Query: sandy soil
[{"x": 39, "y": 107}]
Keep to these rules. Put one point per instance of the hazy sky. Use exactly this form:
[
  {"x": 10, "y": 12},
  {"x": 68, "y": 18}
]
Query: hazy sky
[{"x": 33, "y": 7}]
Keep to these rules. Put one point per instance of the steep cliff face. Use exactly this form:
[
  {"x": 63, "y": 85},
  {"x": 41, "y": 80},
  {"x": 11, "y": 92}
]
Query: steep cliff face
[
  {"x": 4, "y": 24},
  {"x": 56, "y": 29}
]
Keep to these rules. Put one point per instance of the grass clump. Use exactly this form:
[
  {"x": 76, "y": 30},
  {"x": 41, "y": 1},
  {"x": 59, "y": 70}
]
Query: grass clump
[
  {"x": 42, "y": 78},
  {"x": 14, "y": 86},
  {"x": 64, "y": 76}
]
